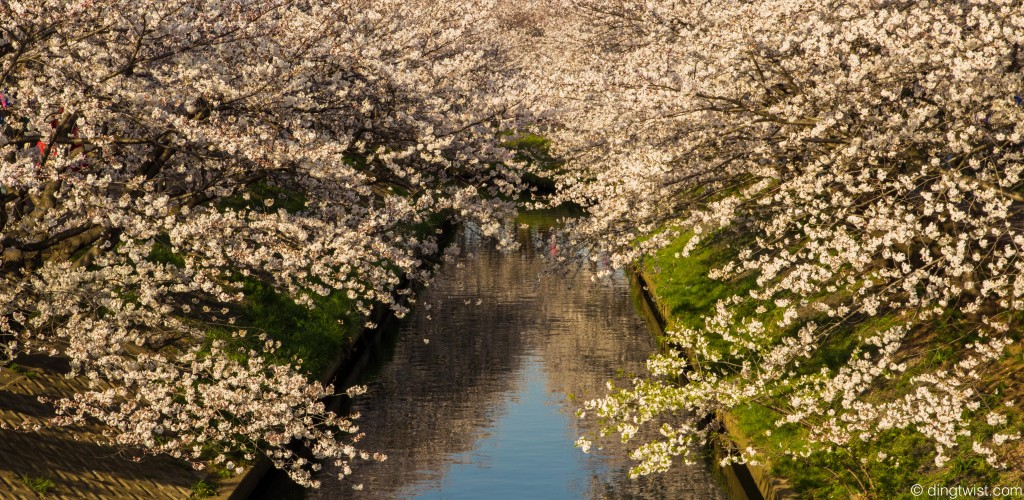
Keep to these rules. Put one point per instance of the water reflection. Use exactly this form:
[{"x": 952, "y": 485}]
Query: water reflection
[{"x": 476, "y": 400}]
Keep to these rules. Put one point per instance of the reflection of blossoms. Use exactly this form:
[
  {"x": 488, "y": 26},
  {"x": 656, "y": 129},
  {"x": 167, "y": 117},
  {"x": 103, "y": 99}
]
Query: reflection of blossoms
[{"x": 583, "y": 444}]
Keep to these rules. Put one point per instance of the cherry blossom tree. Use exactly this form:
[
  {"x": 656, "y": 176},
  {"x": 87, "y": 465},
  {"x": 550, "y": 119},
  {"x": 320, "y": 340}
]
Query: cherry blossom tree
[
  {"x": 127, "y": 125},
  {"x": 865, "y": 158}
]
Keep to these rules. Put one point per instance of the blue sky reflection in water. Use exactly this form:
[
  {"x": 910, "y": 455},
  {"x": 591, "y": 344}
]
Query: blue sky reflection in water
[
  {"x": 532, "y": 436},
  {"x": 484, "y": 410}
]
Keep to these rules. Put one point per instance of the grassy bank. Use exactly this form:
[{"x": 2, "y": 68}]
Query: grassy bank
[
  {"x": 316, "y": 339},
  {"x": 685, "y": 294}
]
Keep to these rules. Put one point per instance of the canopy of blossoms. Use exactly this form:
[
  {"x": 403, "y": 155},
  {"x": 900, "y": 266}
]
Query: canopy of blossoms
[
  {"x": 129, "y": 123},
  {"x": 865, "y": 156}
]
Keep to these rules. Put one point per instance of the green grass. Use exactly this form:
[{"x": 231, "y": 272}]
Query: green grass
[
  {"x": 534, "y": 150},
  {"x": 40, "y": 485},
  {"x": 683, "y": 290},
  {"x": 682, "y": 284},
  {"x": 202, "y": 489},
  {"x": 21, "y": 370},
  {"x": 546, "y": 218},
  {"x": 162, "y": 253},
  {"x": 316, "y": 336},
  {"x": 838, "y": 473},
  {"x": 290, "y": 200}
]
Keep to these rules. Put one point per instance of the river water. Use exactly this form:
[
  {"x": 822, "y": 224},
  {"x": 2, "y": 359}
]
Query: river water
[{"x": 478, "y": 397}]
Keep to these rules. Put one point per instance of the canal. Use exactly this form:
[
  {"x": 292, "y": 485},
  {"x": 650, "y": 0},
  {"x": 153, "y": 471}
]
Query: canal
[{"x": 474, "y": 394}]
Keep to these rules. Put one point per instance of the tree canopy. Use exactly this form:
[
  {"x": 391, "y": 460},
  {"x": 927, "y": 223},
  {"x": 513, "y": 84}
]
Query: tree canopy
[{"x": 862, "y": 159}]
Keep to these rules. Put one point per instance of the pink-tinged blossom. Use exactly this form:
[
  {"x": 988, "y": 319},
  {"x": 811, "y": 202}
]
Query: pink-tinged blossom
[
  {"x": 132, "y": 125},
  {"x": 866, "y": 158}
]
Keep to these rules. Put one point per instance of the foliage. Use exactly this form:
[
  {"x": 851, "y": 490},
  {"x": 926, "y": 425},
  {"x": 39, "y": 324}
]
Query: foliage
[
  {"x": 40, "y": 485},
  {"x": 867, "y": 159},
  {"x": 202, "y": 489},
  {"x": 840, "y": 183},
  {"x": 153, "y": 151},
  {"x": 313, "y": 335}
]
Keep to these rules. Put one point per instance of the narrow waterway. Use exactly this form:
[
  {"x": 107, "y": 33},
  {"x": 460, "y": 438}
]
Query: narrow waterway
[{"x": 479, "y": 395}]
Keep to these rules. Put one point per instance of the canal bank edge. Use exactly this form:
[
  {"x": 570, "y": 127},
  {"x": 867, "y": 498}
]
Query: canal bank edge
[
  {"x": 769, "y": 486},
  {"x": 241, "y": 486}
]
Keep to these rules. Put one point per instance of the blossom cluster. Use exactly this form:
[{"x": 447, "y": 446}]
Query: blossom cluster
[
  {"x": 864, "y": 157},
  {"x": 131, "y": 125}
]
